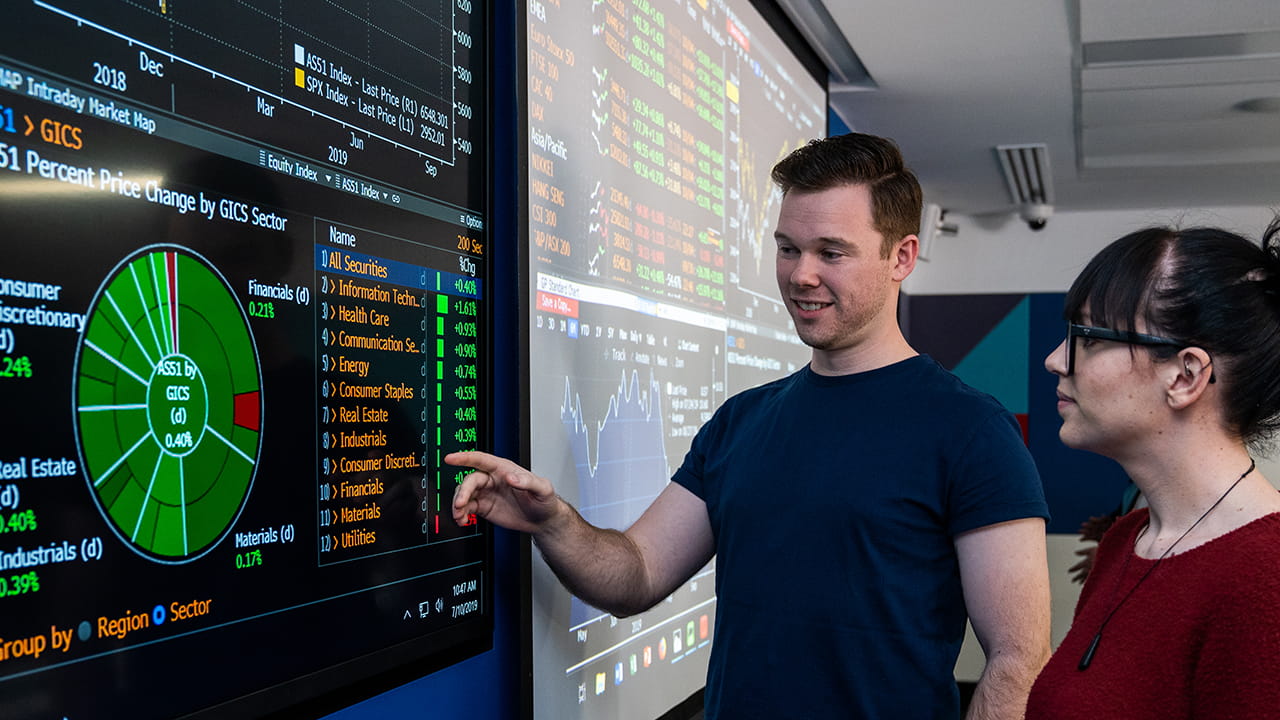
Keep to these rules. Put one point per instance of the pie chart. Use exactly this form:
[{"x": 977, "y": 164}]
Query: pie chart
[{"x": 168, "y": 403}]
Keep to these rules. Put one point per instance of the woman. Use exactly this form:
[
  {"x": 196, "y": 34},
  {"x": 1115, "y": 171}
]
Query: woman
[{"x": 1170, "y": 367}]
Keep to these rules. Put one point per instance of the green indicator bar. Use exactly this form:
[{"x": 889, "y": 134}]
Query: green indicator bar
[
  {"x": 437, "y": 439},
  {"x": 440, "y": 348},
  {"x": 438, "y": 284},
  {"x": 439, "y": 393},
  {"x": 439, "y": 326},
  {"x": 440, "y": 371},
  {"x": 437, "y": 414},
  {"x": 437, "y": 494}
]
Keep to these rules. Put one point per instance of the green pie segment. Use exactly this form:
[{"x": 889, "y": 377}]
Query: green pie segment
[{"x": 168, "y": 407}]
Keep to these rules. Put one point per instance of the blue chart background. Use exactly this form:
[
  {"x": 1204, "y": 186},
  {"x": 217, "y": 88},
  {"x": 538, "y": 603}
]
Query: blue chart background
[{"x": 613, "y": 494}]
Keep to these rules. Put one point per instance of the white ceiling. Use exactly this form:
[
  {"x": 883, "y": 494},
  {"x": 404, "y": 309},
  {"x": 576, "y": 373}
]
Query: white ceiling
[{"x": 1134, "y": 98}]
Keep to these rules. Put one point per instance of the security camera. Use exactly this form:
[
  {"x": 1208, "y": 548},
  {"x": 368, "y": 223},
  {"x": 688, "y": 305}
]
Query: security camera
[{"x": 1035, "y": 215}]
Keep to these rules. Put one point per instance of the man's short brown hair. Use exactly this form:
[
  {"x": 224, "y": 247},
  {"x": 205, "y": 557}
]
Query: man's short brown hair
[{"x": 859, "y": 159}]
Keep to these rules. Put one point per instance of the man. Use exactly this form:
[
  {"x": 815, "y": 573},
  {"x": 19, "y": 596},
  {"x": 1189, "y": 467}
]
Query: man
[{"x": 856, "y": 509}]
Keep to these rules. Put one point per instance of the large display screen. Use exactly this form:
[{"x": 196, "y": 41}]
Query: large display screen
[
  {"x": 652, "y": 127},
  {"x": 242, "y": 317}
]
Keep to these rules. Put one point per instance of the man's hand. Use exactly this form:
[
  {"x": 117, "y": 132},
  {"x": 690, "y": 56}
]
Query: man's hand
[
  {"x": 502, "y": 492},
  {"x": 620, "y": 572}
]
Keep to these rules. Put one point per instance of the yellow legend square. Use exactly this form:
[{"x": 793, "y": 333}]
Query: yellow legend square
[
  {"x": 731, "y": 91},
  {"x": 299, "y": 77}
]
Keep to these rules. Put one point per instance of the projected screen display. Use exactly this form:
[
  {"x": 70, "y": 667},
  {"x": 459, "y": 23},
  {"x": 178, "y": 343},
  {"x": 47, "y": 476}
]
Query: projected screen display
[
  {"x": 242, "y": 318},
  {"x": 652, "y": 128}
]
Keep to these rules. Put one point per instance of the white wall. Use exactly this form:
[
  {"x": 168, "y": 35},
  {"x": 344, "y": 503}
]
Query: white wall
[
  {"x": 994, "y": 255},
  {"x": 1000, "y": 254}
]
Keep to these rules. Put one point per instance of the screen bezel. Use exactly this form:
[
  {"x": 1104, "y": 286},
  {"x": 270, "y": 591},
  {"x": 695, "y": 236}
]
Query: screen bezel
[{"x": 363, "y": 676}]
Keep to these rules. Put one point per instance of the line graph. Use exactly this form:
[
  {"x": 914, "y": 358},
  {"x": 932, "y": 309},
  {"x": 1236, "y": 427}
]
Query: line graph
[
  {"x": 621, "y": 460},
  {"x": 370, "y": 79},
  {"x": 629, "y": 452}
]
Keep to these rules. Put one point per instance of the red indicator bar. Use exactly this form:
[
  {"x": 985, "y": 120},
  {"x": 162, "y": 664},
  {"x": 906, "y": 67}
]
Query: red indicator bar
[
  {"x": 246, "y": 410},
  {"x": 171, "y": 269},
  {"x": 738, "y": 35},
  {"x": 557, "y": 304}
]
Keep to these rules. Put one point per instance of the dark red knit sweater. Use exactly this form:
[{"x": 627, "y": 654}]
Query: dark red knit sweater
[{"x": 1199, "y": 638}]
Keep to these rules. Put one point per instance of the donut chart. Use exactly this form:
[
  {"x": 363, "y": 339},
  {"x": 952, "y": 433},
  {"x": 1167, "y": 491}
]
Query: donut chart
[{"x": 168, "y": 403}]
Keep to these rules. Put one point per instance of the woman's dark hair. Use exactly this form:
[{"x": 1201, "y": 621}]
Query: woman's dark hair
[
  {"x": 1209, "y": 288},
  {"x": 859, "y": 159}
]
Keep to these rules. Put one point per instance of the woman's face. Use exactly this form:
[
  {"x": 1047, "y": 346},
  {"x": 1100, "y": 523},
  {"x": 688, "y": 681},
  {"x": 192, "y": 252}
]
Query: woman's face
[{"x": 1112, "y": 399}]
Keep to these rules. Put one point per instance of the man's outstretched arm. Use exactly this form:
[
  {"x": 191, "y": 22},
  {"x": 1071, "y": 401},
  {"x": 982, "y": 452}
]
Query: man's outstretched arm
[{"x": 620, "y": 572}]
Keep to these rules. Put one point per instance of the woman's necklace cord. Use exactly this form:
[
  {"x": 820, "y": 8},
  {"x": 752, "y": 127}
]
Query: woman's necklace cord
[{"x": 1087, "y": 658}]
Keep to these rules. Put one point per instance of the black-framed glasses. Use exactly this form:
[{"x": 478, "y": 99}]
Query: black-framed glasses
[{"x": 1125, "y": 336}]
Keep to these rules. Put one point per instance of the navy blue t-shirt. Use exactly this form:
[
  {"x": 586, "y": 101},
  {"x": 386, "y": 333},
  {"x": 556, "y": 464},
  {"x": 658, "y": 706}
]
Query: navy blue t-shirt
[{"x": 835, "y": 502}]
